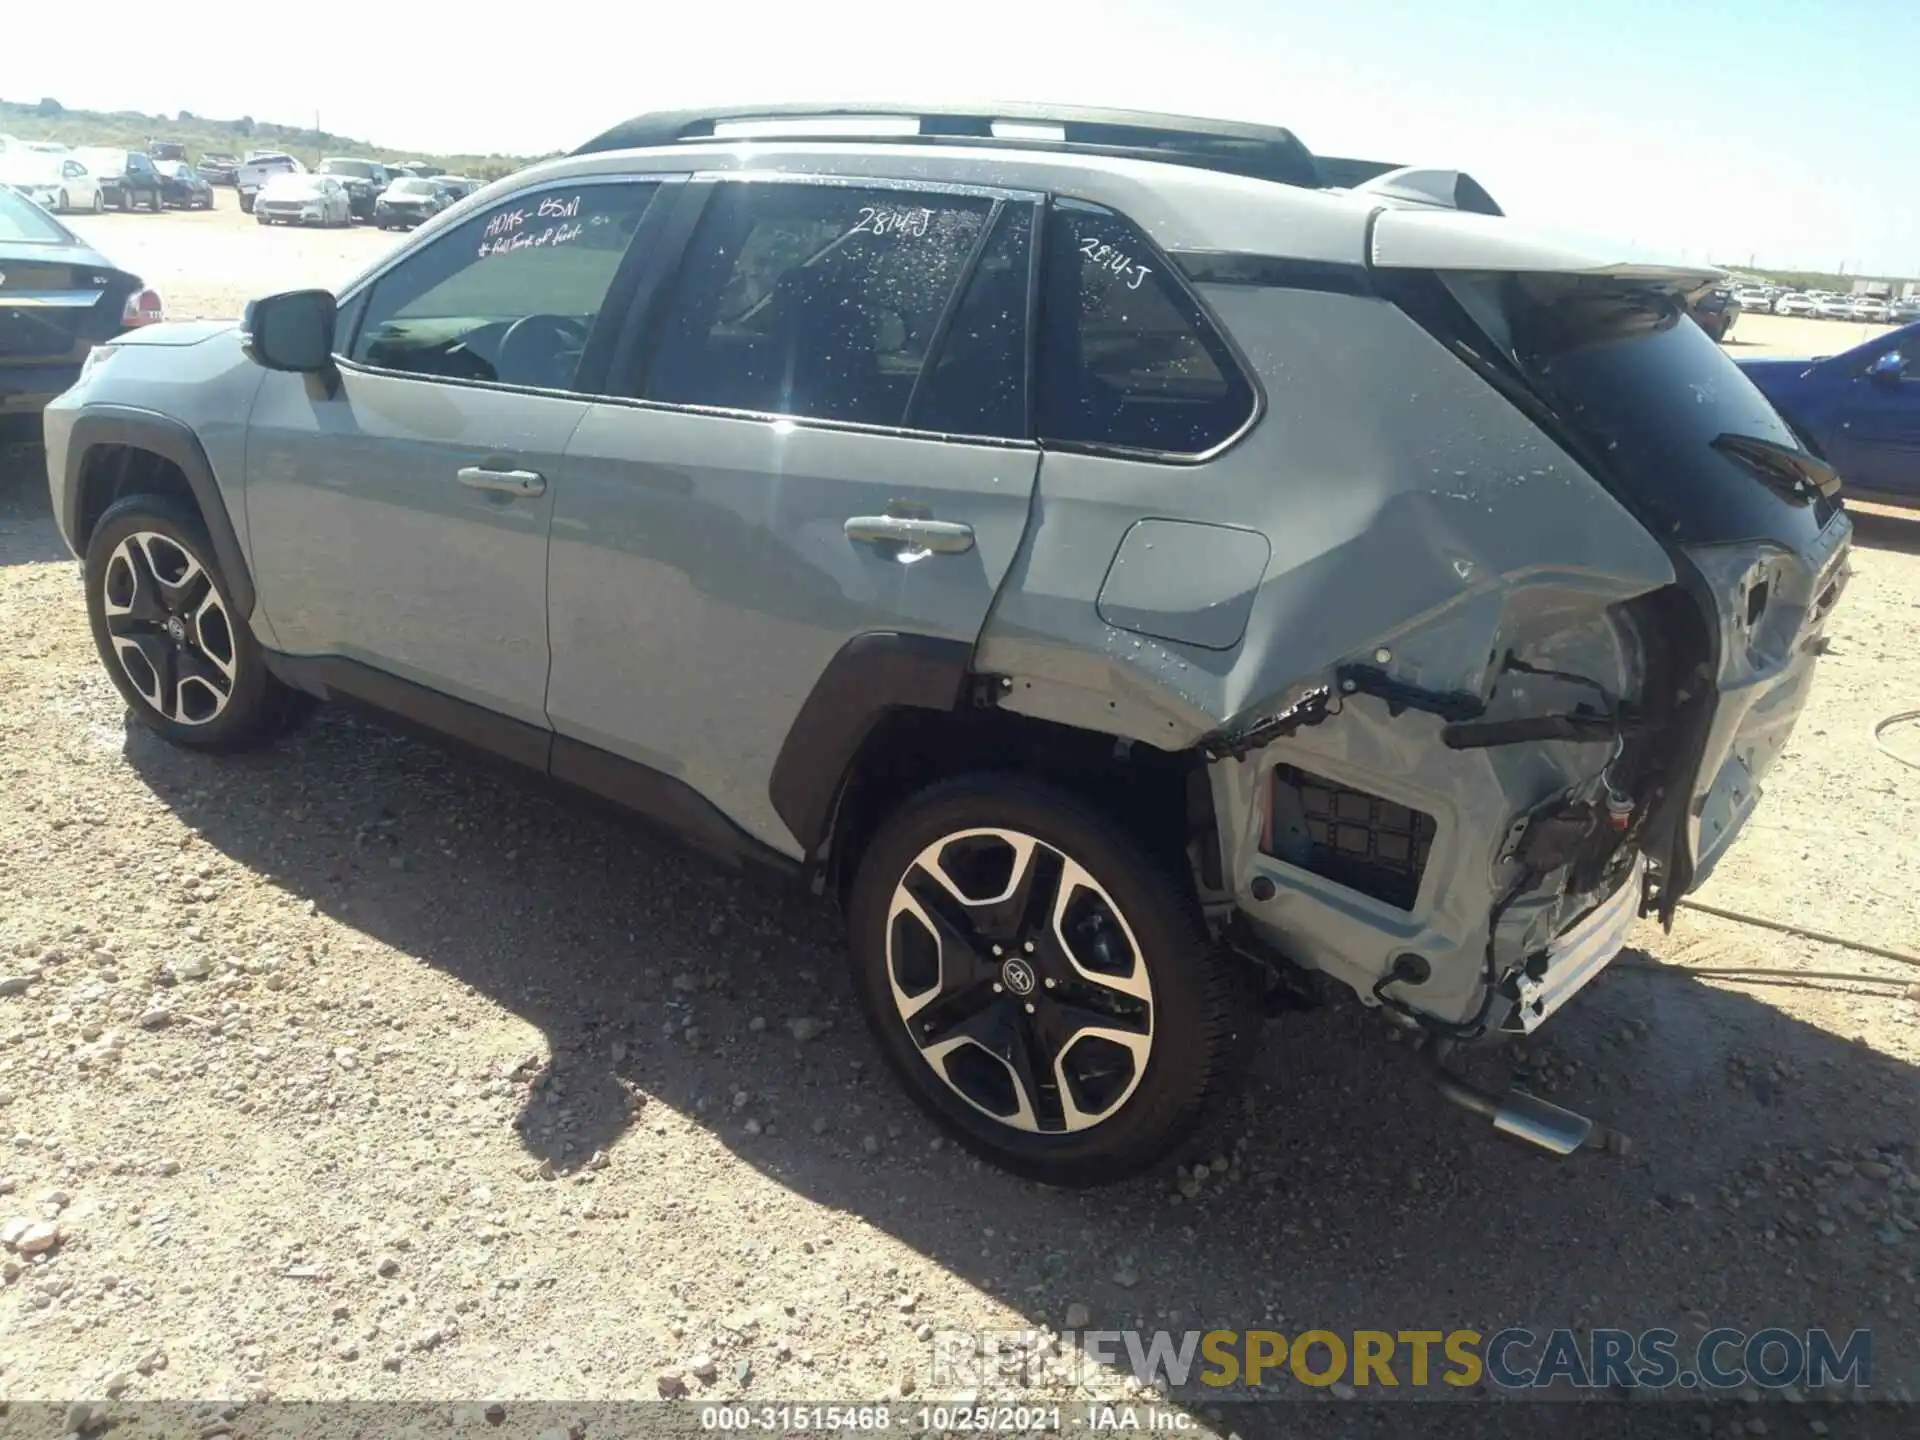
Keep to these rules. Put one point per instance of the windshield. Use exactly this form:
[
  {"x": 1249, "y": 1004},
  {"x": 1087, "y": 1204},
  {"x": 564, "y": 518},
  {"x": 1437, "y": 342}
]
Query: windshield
[
  {"x": 25, "y": 223},
  {"x": 414, "y": 187},
  {"x": 1658, "y": 408},
  {"x": 361, "y": 169},
  {"x": 103, "y": 162},
  {"x": 172, "y": 169}
]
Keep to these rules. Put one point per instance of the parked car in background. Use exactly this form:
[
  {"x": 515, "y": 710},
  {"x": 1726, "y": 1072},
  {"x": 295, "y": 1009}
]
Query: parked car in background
[
  {"x": 59, "y": 297},
  {"x": 1833, "y": 307},
  {"x": 1796, "y": 304},
  {"x": 159, "y": 150},
  {"x": 259, "y": 167},
  {"x": 1871, "y": 308},
  {"x": 458, "y": 187},
  {"x": 1858, "y": 410},
  {"x": 1758, "y": 301},
  {"x": 218, "y": 169},
  {"x": 941, "y": 549},
  {"x": 127, "y": 177},
  {"x": 182, "y": 186},
  {"x": 363, "y": 181},
  {"x": 303, "y": 200},
  {"x": 14, "y": 145},
  {"x": 408, "y": 201},
  {"x": 60, "y": 183},
  {"x": 1907, "y": 308},
  {"x": 1715, "y": 312}
]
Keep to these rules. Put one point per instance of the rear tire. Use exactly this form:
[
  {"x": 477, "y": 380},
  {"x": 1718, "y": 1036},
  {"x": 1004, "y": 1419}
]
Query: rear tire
[
  {"x": 1081, "y": 1029},
  {"x": 170, "y": 635},
  {"x": 99, "y": 201},
  {"x": 66, "y": 204}
]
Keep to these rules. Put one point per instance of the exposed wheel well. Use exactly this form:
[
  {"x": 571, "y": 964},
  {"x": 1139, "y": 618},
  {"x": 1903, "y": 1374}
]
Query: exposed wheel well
[
  {"x": 113, "y": 472},
  {"x": 1162, "y": 798}
]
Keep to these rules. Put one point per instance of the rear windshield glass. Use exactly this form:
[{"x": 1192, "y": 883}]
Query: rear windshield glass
[
  {"x": 361, "y": 168},
  {"x": 1646, "y": 391},
  {"x": 24, "y": 223},
  {"x": 415, "y": 187}
]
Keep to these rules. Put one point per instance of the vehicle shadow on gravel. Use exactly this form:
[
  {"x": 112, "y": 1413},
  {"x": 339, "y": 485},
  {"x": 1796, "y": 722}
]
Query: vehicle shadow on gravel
[
  {"x": 1343, "y": 1192},
  {"x": 27, "y": 533},
  {"x": 1889, "y": 529}
]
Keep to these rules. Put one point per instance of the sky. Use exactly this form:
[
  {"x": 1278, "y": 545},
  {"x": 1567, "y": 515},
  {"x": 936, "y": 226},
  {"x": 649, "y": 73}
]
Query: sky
[{"x": 1782, "y": 132}]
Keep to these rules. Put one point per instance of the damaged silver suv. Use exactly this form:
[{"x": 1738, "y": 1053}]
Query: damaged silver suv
[{"x": 1141, "y": 569}]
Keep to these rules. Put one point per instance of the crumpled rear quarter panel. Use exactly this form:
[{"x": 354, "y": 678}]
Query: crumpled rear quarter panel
[{"x": 1411, "y": 511}]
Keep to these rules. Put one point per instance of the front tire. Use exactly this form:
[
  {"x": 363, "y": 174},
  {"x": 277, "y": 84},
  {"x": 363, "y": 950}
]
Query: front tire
[
  {"x": 66, "y": 204},
  {"x": 170, "y": 635},
  {"x": 1045, "y": 990}
]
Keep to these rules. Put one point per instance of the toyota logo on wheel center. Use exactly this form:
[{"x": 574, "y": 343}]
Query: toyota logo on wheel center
[{"x": 1017, "y": 976}]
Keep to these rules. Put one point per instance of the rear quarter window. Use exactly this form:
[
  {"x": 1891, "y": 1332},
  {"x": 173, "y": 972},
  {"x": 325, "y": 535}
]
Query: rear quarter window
[{"x": 1128, "y": 360}]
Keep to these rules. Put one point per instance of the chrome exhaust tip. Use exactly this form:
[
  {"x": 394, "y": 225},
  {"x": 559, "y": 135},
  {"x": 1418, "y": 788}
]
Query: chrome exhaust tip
[{"x": 1516, "y": 1113}]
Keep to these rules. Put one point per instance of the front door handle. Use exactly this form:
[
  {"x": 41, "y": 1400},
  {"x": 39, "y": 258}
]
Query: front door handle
[
  {"x": 941, "y": 537},
  {"x": 508, "y": 482}
]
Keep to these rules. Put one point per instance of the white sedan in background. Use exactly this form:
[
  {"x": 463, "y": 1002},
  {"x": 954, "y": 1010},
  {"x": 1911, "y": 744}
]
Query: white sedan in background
[
  {"x": 1796, "y": 305},
  {"x": 296, "y": 199},
  {"x": 1870, "y": 307},
  {"x": 1834, "y": 307},
  {"x": 59, "y": 183}
]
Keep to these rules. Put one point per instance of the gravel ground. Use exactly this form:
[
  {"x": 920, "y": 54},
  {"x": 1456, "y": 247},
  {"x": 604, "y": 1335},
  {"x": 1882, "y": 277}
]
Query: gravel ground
[{"x": 356, "y": 1068}]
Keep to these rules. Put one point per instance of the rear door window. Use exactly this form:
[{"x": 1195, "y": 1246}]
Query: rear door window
[
  {"x": 816, "y": 301},
  {"x": 509, "y": 297},
  {"x": 977, "y": 383},
  {"x": 1127, "y": 358}
]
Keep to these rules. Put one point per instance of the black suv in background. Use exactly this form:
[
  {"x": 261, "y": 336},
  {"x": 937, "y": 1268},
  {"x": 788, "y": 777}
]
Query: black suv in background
[
  {"x": 363, "y": 181},
  {"x": 127, "y": 178},
  {"x": 219, "y": 169}
]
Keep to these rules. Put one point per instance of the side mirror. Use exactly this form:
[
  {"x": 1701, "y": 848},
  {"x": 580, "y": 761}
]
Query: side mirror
[
  {"x": 1889, "y": 369},
  {"x": 291, "y": 331}
]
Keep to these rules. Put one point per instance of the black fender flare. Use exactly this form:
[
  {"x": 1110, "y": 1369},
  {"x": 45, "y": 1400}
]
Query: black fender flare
[
  {"x": 173, "y": 441},
  {"x": 871, "y": 675}
]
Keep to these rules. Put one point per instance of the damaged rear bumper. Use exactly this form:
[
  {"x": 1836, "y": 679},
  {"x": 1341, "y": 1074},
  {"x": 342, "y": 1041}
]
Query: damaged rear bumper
[{"x": 1575, "y": 957}]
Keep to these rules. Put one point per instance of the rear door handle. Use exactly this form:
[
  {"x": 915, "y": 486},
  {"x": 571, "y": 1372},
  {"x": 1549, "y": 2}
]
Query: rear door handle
[
  {"x": 507, "y": 482},
  {"x": 942, "y": 537}
]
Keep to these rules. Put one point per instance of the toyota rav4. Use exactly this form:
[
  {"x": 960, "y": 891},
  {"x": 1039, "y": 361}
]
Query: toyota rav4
[{"x": 1141, "y": 570}]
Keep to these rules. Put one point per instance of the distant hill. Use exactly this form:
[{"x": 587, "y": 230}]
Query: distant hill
[
  {"x": 132, "y": 130},
  {"x": 1811, "y": 279}
]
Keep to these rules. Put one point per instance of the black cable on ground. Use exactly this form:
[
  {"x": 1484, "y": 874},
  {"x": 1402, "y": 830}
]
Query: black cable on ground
[
  {"x": 1886, "y": 723},
  {"x": 1900, "y": 956}
]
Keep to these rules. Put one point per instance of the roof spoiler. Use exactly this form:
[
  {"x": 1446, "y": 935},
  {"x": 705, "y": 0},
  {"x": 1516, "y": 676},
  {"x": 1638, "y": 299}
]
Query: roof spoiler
[
  {"x": 1413, "y": 185},
  {"x": 1412, "y": 237}
]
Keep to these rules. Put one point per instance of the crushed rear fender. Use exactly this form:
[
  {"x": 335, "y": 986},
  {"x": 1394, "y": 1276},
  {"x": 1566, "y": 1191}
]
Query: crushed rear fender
[{"x": 1314, "y": 606}]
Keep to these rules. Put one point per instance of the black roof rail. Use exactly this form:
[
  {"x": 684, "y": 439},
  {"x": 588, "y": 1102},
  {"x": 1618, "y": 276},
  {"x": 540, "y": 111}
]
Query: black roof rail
[{"x": 1262, "y": 152}]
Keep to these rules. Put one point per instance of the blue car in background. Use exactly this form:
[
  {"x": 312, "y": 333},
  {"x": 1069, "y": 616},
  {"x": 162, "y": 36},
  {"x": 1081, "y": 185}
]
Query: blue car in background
[{"x": 1859, "y": 411}]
